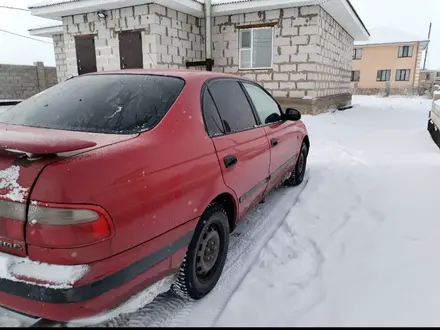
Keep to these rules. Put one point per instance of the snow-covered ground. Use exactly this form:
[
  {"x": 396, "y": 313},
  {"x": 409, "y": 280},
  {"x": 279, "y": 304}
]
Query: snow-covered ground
[
  {"x": 356, "y": 244},
  {"x": 361, "y": 246}
]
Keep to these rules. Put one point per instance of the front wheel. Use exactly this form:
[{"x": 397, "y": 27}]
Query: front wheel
[
  {"x": 297, "y": 176},
  {"x": 206, "y": 255}
]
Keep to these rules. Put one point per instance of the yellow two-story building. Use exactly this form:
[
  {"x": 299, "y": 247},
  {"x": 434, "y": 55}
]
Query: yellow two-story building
[{"x": 390, "y": 61}]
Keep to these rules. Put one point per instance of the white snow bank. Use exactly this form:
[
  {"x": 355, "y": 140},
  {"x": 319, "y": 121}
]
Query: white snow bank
[
  {"x": 132, "y": 305},
  {"x": 58, "y": 276},
  {"x": 9, "y": 183},
  {"x": 360, "y": 248}
]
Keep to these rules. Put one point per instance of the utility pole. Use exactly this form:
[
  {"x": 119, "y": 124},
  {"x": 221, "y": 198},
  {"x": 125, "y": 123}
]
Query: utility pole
[{"x": 429, "y": 39}]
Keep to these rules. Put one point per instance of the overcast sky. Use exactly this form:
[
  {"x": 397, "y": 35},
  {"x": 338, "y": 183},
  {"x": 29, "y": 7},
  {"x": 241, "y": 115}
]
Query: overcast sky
[{"x": 410, "y": 16}]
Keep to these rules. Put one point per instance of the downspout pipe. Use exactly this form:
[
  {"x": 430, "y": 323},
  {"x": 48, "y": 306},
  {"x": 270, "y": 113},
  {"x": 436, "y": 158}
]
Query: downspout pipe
[{"x": 208, "y": 35}]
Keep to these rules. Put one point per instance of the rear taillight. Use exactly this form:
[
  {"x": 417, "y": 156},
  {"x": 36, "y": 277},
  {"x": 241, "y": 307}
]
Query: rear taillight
[
  {"x": 12, "y": 216},
  {"x": 67, "y": 226}
]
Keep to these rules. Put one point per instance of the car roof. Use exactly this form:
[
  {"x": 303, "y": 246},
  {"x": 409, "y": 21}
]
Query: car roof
[{"x": 185, "y": 74}]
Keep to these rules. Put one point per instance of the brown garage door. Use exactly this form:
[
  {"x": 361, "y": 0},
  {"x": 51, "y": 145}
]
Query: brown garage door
[
  {"x": 85, "y": 54},
  {"x": 130, "y": 50}
]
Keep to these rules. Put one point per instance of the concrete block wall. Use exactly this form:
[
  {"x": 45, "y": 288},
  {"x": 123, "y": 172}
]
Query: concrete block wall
[
  {"x": 334, "y": 58},
  {"x": 295, "y": 51},
  {"x": 24, "y": 81},
  {"x": 169, "y": 37},
  {"x": 60, "y": 57}
]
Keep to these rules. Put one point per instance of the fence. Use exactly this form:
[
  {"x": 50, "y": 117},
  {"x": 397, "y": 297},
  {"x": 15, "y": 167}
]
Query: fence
[{"x": 18, "y": 82}]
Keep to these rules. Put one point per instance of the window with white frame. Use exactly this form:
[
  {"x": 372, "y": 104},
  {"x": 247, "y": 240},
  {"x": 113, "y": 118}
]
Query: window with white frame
[
  {"x": 256, "y": 48},
  {"x": 405, "y": 51},
  {"x": 403, "y": 74}
]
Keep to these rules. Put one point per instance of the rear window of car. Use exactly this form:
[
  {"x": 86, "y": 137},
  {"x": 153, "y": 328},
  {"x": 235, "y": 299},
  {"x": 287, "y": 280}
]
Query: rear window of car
[{"x": 110, "y": 103}]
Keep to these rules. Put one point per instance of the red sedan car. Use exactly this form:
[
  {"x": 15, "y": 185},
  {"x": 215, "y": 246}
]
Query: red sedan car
[{"x": 111, "y": 181}]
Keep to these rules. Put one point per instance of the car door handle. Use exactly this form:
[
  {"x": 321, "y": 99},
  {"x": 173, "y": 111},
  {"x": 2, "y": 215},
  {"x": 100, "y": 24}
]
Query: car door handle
[
  {"x": 230, "y": 160},
  {"x": 273, "y": 142}
]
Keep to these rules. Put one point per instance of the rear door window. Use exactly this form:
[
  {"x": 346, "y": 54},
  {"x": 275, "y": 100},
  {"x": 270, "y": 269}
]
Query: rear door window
[
  {"x": 233, "y": 105},
  {"x": 110, "y": 103},
  {"x": 213, "y": 122}
]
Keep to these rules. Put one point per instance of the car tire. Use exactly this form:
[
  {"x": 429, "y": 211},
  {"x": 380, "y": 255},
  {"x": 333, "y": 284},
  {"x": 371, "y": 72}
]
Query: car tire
[
  {"x": 297, "y": 176},
  {"x": 206, "y": 255}
]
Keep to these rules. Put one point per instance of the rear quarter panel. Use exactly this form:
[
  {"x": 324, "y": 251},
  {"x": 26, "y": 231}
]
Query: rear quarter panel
[{"x": 149, "y": 185}]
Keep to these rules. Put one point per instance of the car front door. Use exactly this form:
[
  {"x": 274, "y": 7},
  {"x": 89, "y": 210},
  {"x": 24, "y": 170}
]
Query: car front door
[
  {"x": 242, "y": 148},
  {"x": 283, "y": 135}
]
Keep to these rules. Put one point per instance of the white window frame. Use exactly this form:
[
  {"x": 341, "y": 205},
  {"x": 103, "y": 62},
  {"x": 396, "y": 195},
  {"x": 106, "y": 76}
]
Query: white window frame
[
  {"x": 240, "y": 49},
  {"x": 406, "y": 74}
]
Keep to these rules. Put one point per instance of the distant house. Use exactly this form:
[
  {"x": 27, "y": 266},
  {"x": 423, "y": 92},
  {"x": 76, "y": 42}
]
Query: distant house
[
  {"x": 429, "y": 77},
  {"x": 299, "y": 50},
  {"x": 389, "y": 60}
]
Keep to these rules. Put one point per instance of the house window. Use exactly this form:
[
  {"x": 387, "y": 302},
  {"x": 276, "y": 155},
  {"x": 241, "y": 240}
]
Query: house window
[
  {"x": 402, "y": 75},
  {"x": 357, "y": 53},
  {"x": 405, "y": 51},
  {"x": 383, "y": 75},
  {"x": 256, "y": 48},
  {"x": 428, "y": 76},
  {"x": 438, "y": 74},
  {"x": 355, "y": 75}
]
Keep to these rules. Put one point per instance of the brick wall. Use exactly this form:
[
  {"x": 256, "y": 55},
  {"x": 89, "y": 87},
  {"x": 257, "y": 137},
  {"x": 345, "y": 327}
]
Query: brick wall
[
  {"x": 334, "y": 57},
  {"x": 23, "y": 81},
  {"x": 60, "y": 57},
  {"x": 294, "y": 53},
  {"x": 311, "y": 54},
  {"x": 169, "y": 38}
]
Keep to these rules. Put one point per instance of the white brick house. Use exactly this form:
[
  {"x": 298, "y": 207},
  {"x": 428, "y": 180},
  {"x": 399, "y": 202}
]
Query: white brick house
[{"x": 300, "y": 50}]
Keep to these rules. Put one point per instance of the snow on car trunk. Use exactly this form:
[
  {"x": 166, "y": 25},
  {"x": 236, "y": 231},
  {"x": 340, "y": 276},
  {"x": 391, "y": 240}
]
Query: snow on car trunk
[
  {"x": 360, "y": 248},
  {"x": 55, "y": 276}
]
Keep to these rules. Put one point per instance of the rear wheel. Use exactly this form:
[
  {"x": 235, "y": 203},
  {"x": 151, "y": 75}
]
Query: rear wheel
[
  {"x": 297, "y": 175},
  {"x": 205, "y": 259}
]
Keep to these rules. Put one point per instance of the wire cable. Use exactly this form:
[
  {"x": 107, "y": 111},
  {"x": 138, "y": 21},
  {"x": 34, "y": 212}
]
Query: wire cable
[{"x": 23, "y": 36}]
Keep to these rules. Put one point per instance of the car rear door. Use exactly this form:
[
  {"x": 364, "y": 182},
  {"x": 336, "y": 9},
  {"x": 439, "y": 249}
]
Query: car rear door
[
  {"x": 283, "y": 135},
  {"x": 242, "y": 147}
]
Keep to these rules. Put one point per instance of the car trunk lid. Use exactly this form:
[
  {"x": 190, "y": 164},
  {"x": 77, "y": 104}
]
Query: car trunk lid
[{"x": 24, "y": 153}]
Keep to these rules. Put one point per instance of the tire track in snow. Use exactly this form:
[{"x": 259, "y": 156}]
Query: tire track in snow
[
  {"x": 207, "y": 311},
  {"x": 249, "y": 238}
]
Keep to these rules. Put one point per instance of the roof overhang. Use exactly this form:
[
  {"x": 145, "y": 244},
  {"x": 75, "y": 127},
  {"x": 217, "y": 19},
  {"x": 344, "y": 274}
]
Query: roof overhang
[
  {"x": 341, "y": 10},
  {"x": 423, "y": 43},
  {"x": 47, "y": 31}
]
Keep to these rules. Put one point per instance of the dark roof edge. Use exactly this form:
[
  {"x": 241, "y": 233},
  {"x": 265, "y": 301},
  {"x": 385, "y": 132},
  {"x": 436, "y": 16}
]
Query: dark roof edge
[{"x": 358, "y": 17}]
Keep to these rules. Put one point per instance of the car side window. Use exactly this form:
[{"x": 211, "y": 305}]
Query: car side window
[
  {"x": 233, "y": 105},
  {"x": 266, "y": 107},
  {"x": 212, "y": 119}
]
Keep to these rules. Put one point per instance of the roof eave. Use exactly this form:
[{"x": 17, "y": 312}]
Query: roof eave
[
  {"x": 423, "y": 43},
  {"x": 47, "y": 31},
  {"x": 57, "y": 11},
  {"x": 341, "y": 10}
]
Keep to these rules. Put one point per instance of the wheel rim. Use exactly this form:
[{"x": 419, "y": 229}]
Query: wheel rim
[
  {"x": 301, "y": 164},
  {"x": 208, "y": 252}
]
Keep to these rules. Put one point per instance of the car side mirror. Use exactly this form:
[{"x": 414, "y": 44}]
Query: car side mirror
[{"x": 292, "y": 114}]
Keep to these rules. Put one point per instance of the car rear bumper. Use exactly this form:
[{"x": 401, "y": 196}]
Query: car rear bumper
[{"x": 106, "y": 285}]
